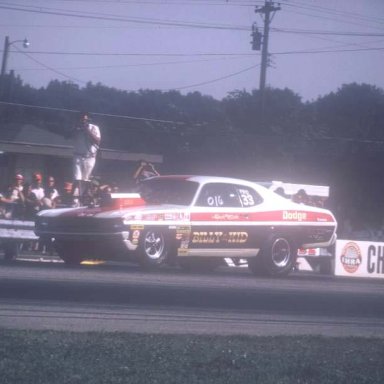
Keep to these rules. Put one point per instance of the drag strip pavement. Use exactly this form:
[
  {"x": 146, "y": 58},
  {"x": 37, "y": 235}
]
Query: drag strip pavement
[{"x": 229, "y": 301}]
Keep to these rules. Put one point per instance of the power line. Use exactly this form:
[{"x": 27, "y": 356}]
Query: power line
[
  {"x": 293, "y": 31},
  {"x": 218, "y": 79},
  {"x": 99, "y": 16},
  {"x": 327, "y": 33},
  {"x": 96, "y": 16},
  {"x": 329, "y": 51},
  {"x": 221, "y": 3},
  {"x": 157, "y": 63},
  {"x": 202, "y": 54},
  {"x": 341, "y": 16},
  {"x": 226, "y": 76},
  {"x": 344, "y": 13},
  {"x": 138, "y": 54},
  {"x": 51, "y": 69},
  {"x": 41, "y": 107}
]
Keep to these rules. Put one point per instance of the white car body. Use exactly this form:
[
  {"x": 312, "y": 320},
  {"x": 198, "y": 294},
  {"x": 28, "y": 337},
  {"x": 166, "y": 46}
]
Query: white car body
[{"x": 192, "y": 218}]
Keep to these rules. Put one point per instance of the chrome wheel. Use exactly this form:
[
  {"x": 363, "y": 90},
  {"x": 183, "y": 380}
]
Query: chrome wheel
[
  {"x": 277, "y": 257},
  {"x": 281, "y": 253},
  {"x": 153, "y": 248},
  {"x": 154, "y": 245}
]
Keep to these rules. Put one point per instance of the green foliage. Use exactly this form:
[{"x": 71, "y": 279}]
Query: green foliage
[
  {"x": 354, "y": 111},
  {"x": 335, "y": 140}
]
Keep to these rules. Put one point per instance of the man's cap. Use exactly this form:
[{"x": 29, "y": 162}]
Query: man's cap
[
  {"x": 37, "y": 177},
  {"x": 19, "y": 176}
]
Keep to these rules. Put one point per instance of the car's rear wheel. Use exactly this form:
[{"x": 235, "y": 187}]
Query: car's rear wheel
[
  {"x": 71, "y": 253},
  {"x": 277, "y": 257},
  {"x": 153, "y": 248}
]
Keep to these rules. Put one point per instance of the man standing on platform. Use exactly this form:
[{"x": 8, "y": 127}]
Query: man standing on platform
[{"x": 86, "y": 144}]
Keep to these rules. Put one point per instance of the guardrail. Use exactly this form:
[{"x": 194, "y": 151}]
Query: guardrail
[
  {"x": 17, "y": 229},
  {"x": 13, "y": 233}
]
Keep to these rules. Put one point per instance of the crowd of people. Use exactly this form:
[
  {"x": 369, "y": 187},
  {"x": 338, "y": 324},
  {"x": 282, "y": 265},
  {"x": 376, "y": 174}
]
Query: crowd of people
[{"x": 21, "y": 199}]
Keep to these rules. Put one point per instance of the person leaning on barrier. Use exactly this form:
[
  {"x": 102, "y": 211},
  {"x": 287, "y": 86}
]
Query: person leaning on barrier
[
  {"x": 13, "y": 200},
  {"x": 51, "y": 193},
  {"x": 5, "y": 207},
  {"x": 66, "y": 198},
  {"x": 36, "y": 198}
]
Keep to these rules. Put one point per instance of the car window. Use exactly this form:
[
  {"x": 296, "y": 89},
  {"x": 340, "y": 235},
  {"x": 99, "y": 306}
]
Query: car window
[
  {"x": 248, "y": 196},
  {"x": 218, "y": 195},
  {"x": 167, "y": 191}
]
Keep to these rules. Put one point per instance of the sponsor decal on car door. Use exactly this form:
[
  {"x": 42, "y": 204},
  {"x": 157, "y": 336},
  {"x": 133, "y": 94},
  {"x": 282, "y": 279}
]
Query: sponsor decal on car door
[{"x": 219, "y": 222}]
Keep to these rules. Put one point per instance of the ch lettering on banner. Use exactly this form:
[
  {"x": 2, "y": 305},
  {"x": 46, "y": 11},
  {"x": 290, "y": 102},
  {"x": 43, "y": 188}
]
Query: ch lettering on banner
[{"x": 359, "y": 259}]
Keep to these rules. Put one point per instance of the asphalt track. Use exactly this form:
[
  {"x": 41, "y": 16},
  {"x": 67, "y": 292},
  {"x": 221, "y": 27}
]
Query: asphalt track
[{"x": 121, "y": 297}]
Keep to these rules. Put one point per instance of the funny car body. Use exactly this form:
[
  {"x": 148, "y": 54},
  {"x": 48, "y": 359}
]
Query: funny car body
[{"x": 193, "y": 221}]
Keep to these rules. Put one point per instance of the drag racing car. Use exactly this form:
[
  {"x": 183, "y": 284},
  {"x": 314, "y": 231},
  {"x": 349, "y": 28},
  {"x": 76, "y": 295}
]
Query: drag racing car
[{"x": 192, "y": 221}]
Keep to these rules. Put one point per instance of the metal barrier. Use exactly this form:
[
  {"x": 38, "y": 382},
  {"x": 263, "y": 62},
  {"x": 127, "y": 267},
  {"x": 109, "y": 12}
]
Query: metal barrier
[
  {"x": 17, "y": 230},
  {"x": 13, "y": 233}
]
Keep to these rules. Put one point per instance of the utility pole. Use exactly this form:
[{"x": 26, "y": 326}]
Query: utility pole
[
  {"x": 267, "y": 12},
  {"x": 5, "y": 56},
  {"x": 4, "y": 62}
]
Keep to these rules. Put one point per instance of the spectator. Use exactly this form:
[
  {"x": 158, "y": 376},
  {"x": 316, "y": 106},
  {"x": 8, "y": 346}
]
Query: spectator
[
  {"x": 66, "y": 197},
  {"x": 92, "y": 194},
  {"x": 301, "y": 197},
  {"x": 36, "y": 195},
  {"x": 13, "y": 200},
  {"x": 51, "y": 193},
  {"x": 144, "y": 171}
]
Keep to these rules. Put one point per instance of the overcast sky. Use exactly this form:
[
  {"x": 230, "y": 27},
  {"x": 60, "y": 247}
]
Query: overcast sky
[{"x": 195, "y": 45}]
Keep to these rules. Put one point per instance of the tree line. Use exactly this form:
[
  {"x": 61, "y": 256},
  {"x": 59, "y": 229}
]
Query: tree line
[{"x": 336, "y": 140}]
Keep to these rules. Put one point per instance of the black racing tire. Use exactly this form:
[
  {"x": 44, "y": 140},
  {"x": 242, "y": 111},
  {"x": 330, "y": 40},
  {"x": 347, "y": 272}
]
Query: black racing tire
[
  {"x": 256, "y": 265},
  {"x": 326, "y": 266},
  {"x": 196, "y": 264},
  {"x": 11, "y": 249},
  {"x": 153, "y": 250},
  {"x": 277, "y": 257},
  {"x": 70, "y": 252}
]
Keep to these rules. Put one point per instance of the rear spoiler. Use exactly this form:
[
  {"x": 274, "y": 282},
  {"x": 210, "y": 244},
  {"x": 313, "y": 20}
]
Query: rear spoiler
[{"x": 291, "y": 189}]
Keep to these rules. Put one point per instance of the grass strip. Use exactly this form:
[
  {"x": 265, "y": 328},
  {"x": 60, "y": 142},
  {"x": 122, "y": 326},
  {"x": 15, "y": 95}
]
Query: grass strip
[{"x": 38, "y": 357}]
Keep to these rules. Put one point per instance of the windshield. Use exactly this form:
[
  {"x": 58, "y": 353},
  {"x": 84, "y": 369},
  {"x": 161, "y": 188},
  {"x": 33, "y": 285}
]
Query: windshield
[{"x": 168, "y": 191}]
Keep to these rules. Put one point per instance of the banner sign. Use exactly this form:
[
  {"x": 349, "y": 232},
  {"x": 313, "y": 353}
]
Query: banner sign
[{"x": 359, "y": 259}]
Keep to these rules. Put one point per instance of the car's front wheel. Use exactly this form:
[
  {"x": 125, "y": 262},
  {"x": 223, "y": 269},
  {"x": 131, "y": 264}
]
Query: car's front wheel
[
  {"x": 153, "y": 248},
  {"x": 277, "y": 257},
  {"x": 11, "y": 249},
  {"x": 70, "y": 252}
]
